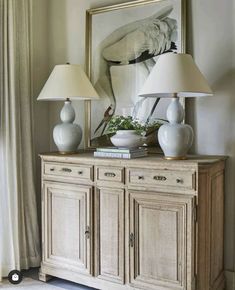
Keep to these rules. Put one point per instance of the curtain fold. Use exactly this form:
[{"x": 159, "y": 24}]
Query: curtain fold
[{"x": 19, "y": 236}]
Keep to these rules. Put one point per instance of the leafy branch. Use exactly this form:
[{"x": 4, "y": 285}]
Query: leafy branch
[{"x": 128, "y": 123}]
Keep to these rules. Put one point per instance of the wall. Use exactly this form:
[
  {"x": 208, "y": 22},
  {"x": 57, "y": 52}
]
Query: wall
[
  {"x": 211, "y": 40},
  {"x": 211, "y": 43}
]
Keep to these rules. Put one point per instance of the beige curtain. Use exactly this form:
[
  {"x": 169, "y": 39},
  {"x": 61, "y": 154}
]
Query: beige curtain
[{"x": 19, "y": 237}]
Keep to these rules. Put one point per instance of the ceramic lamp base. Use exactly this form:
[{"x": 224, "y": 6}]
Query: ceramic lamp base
[
  {"x": 67, "y": 135},
  {"x": 175, "y": 138}
]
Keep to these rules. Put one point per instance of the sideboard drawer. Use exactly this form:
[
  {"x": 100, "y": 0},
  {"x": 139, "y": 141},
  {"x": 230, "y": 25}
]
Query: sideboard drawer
[
  {"x": 112, "y": 174},
  {"x": 68, "y": 170},
  {"x": 182, "y": 179}
]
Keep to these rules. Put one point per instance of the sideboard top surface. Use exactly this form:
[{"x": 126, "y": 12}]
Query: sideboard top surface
[{"x": 151, "y": 159}]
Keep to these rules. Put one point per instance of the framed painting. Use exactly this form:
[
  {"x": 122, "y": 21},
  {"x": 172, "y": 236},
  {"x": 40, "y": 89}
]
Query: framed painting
[{"x": 123, "y": 43}]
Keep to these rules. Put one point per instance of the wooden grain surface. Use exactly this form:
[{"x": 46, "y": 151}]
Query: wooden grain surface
[{"x": 145, "y": 223}]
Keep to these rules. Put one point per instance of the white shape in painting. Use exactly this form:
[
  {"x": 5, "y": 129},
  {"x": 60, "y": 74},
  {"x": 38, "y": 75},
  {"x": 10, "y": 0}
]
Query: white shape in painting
[
  {"x": 127, "y": 80},
  {"x": 152, "y": 35}
]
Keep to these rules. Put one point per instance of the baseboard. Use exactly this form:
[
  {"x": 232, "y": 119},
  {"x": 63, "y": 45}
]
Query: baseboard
[{"x": 230, "y": 280}]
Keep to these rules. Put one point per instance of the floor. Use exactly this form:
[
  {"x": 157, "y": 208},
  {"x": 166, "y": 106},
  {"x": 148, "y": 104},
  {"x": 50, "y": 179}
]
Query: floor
[{"x": 31, "y": 282}]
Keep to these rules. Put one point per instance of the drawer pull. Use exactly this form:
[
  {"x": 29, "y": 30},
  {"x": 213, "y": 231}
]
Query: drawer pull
[
  {"x": 80, "y": 172},
  {"x": 66, "y": 169},
  {"x": 110, "y": 174},
  {"x": 179, "y": 180},
  {"x": 87, "y": 232},
  {"x": 131, "y": 240},
  {"x": 159, "y": 177},
  {"x": 52, "y": 169},
  {"x": 141, "y": 177}
]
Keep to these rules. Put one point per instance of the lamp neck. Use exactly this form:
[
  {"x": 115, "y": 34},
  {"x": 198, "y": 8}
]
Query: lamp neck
[
  {"x": 175, "y": 112},
  {"x": 67, "y": 114}
]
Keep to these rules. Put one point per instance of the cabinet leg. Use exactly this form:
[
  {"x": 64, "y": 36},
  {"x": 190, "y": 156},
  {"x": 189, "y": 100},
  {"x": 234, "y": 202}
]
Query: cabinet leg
[{"x": 44, "y": 277}]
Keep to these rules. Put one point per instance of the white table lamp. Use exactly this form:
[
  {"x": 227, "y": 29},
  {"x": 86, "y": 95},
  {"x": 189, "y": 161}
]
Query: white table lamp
[
  {"x": 174, "y": 76},
  {"x": 67, "y": 82}
]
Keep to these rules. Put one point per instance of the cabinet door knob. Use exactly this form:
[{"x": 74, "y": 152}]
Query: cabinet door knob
[
  {"x": 52, "y": 169},
  {"x": 141, "y": 177},
  {"x": 80, "y": 172},
  {"x": 110, "y": 174},
  {"x": 179, "y": 180}
]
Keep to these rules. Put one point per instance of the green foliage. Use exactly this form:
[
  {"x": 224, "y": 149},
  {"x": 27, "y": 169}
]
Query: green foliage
[{"x": 128, "y": 123}]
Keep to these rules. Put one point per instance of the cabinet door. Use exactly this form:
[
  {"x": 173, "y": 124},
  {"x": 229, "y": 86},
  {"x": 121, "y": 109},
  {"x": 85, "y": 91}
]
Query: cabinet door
[
  {"x": 67, "y": 226},
  {"x": 161, "y": 241},
  {"x": 110, "y": 234}
]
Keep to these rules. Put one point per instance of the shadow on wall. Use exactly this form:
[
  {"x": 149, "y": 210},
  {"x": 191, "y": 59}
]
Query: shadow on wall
[
  {"x": 57, "y": 32},
  {"x": 49, "y": 46},
  {"x": 58, "y": 52},
  {"x": 225, "y": 90},
  {"x": 213, "y": 120}
]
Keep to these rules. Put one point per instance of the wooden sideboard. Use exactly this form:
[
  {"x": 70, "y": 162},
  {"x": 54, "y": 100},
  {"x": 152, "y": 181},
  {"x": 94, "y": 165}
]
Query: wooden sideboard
[{"x": 144, "y": 223}]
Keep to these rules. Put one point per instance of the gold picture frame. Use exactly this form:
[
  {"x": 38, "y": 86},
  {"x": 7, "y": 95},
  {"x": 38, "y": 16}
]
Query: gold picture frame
[{"x": 179, "y": 5}]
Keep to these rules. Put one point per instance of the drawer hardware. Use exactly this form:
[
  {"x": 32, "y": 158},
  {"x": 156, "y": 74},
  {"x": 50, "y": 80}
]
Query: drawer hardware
[
  {"x": 80, "y": 172},
  {"x": 159, "y": 177},
  {"x": 131, "y": 240},
  {"x": 66, "y": 169},
  {"x": 179, "y": 180},
  {"x": 87, "y": 232},
  {"x": 110, "y": 174},
  {"x": 52, "y": 169},
  {"x": 140, "y": 177}
]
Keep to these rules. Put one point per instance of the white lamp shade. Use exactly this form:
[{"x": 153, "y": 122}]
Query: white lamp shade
[
  {"x": 175, "y": 75},
  {"x": 68, "y": 81}
]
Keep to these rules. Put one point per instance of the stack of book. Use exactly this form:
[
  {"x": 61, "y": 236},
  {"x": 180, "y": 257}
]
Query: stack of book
[{"x": 120, "y": 152}]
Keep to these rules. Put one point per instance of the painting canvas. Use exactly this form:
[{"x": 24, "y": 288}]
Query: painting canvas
[{"x": 124, "y": 42}]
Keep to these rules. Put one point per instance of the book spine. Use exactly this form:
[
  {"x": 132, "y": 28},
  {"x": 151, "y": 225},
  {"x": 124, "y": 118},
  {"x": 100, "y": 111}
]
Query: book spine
[
  {"x": 119, "y": 155},
  {"x": 118, "y": 150},
  {"x": 112, "y": 155},
  {"x": 112, "y": 150}
]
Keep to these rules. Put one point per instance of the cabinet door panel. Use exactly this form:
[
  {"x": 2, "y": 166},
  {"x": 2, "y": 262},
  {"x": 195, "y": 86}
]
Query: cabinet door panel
[
  {"x": 159, "y": 237},
  {"x": 67, "y": 211},
  {"x": 161, "y": 241},
  {"x": 110, "y": 235},
  {"x": 217, "y": 228}
]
